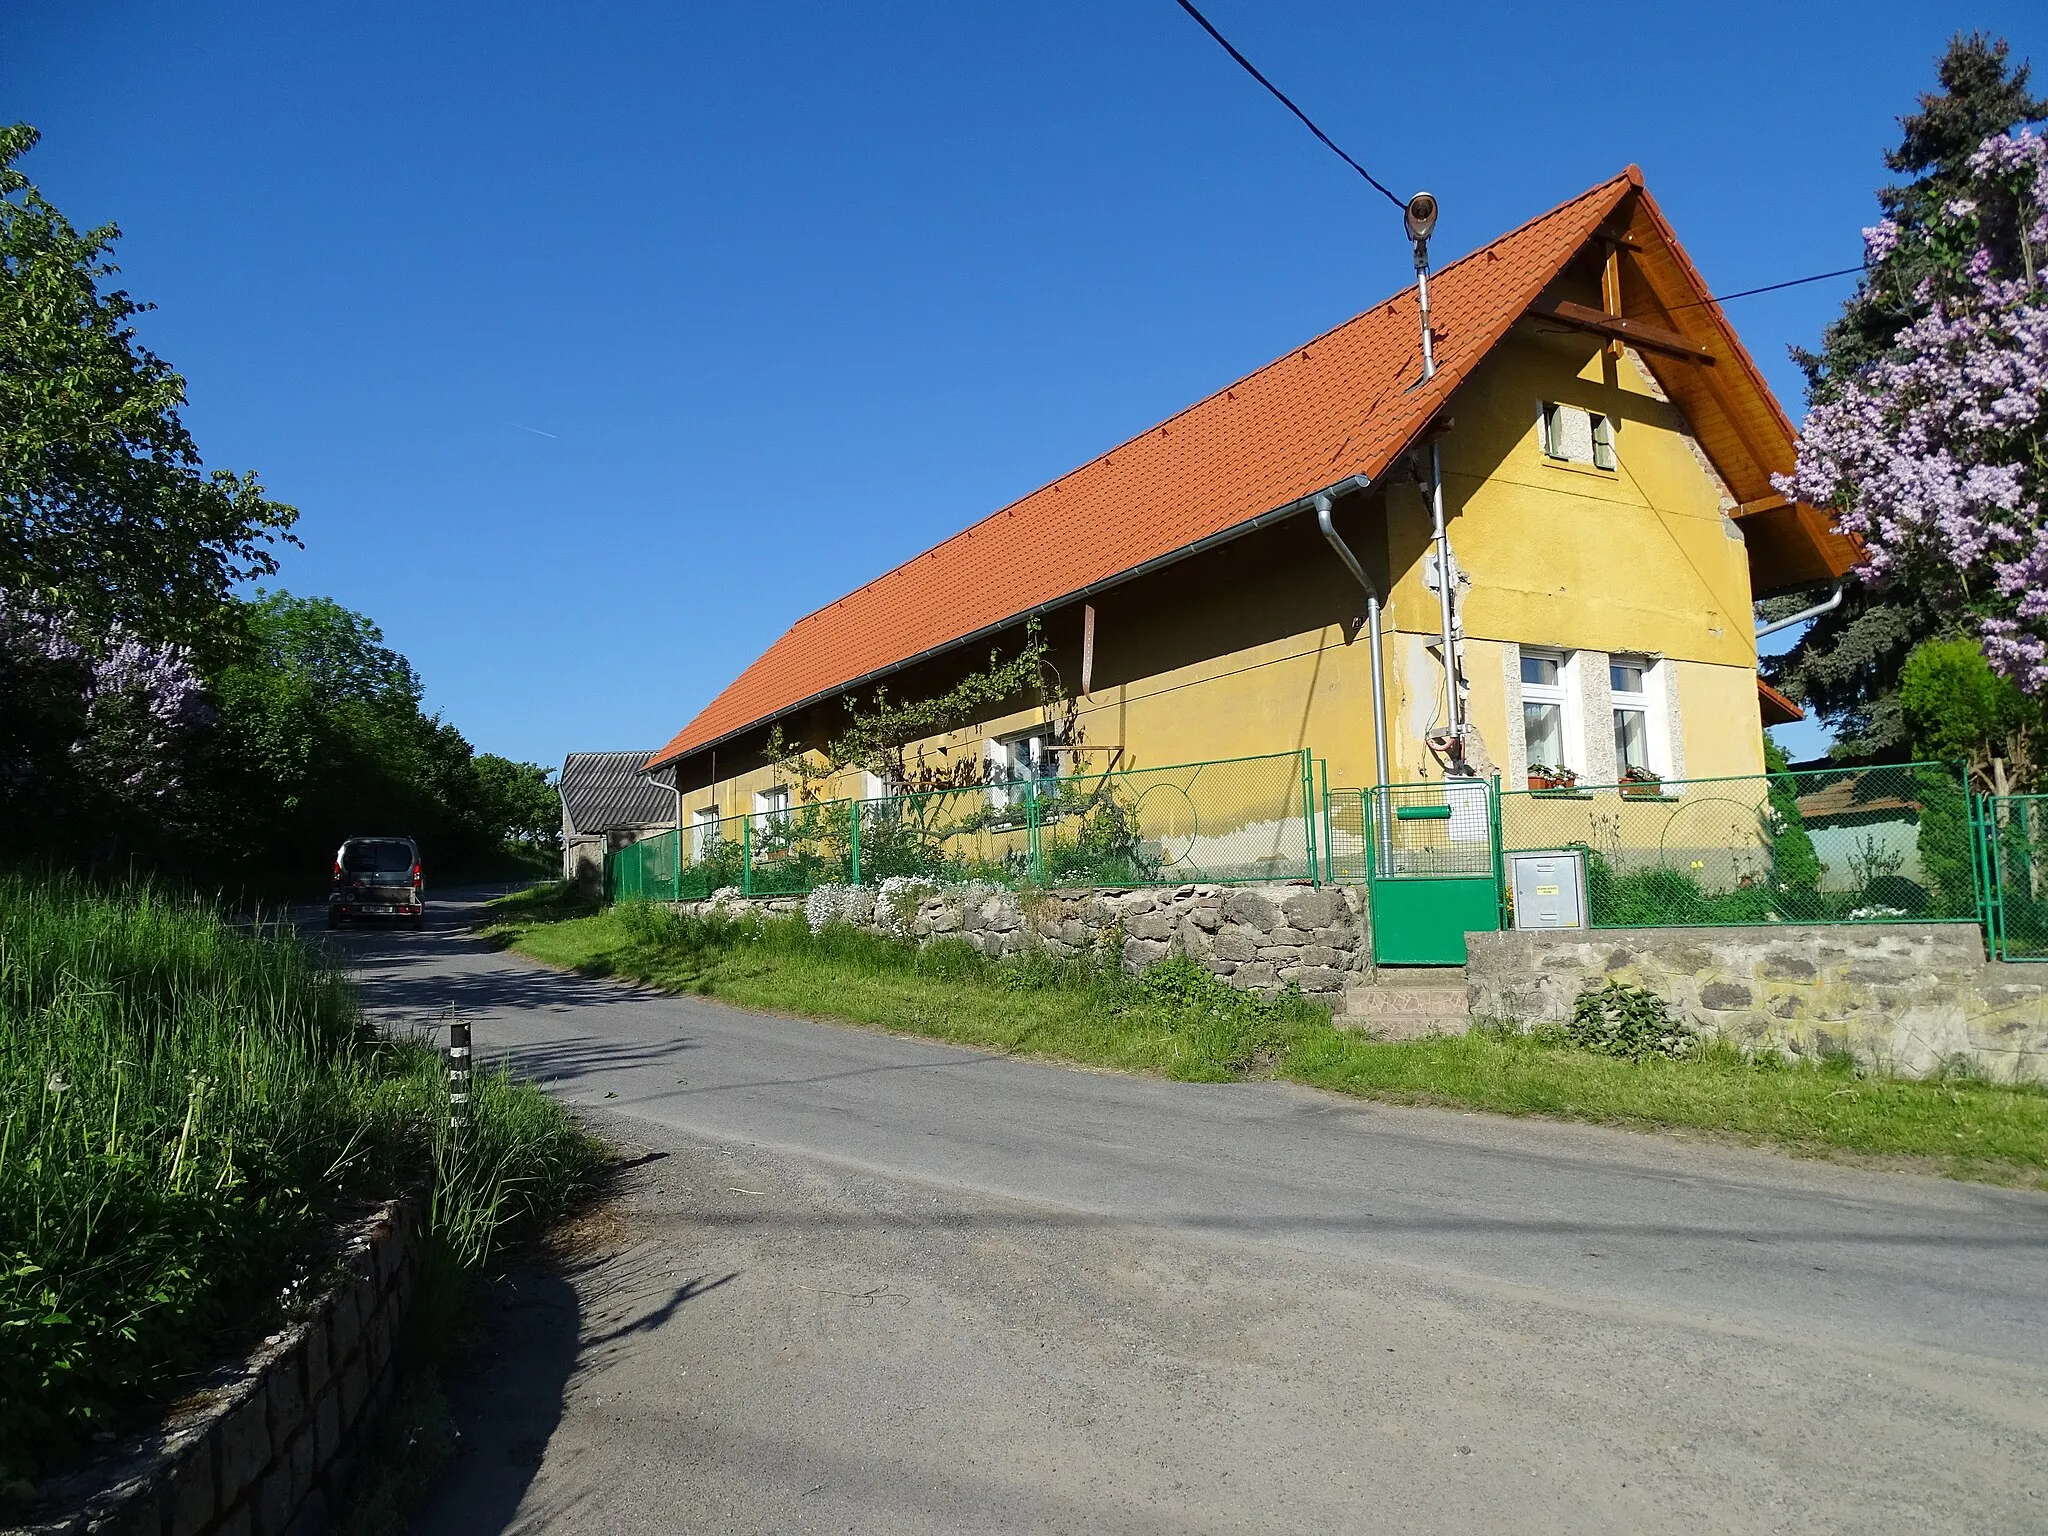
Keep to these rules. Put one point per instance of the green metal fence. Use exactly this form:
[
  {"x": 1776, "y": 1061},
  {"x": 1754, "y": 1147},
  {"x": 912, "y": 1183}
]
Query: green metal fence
[
  {"x": 1345, "y": 857},
  {"x": 1244, "y": 819},
  {"x": 1884, "y": 844},
  {"x": 2011, "y": 840}
]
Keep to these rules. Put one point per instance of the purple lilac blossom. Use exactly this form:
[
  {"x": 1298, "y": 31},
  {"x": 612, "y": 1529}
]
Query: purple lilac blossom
[
  {"x": 1936, "y": 456},
  {"x": 129, "y": 675}
]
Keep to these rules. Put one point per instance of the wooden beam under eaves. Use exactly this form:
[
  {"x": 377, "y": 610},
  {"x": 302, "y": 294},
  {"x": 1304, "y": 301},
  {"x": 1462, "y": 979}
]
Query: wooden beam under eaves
[{"x": 1654, "y": 338}]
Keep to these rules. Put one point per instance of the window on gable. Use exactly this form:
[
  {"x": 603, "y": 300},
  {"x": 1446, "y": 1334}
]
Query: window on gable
[{"x": 1574, "y": 436}]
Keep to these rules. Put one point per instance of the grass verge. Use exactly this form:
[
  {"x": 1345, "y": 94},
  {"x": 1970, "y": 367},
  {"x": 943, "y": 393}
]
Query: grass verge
[
  {"x": 186, "y": 1112},
  {"x": 1178, "y": 1021}
]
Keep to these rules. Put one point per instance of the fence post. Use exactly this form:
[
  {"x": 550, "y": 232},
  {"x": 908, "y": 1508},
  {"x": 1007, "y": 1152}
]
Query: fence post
[
  {"x": 747, "y": 856},
  {"x": 1980, "y": 874},
  {"x": 679, "y": 861},
  {"x": 1031, "y": 844},
  {"x": 1988, "y": 839},
  {"x": 1308, "y": 815},
  {"x": 853, "y": 840},
  {"x": 459, "y": 1115},
  {"x": 1500, "y": 858},
  {"x": 1323, "y": 807}
]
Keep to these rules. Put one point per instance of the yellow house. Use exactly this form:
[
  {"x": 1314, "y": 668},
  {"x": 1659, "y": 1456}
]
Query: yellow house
[{"x": 1221, "y": 586}]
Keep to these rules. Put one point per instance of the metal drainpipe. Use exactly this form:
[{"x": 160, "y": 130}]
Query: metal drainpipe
[
  {"x": 1453, "y": 713},
  {"x": 1833, "y": 602},
  {"x": 675, "y": 787},
  {"x": 1372, "y": 628}
]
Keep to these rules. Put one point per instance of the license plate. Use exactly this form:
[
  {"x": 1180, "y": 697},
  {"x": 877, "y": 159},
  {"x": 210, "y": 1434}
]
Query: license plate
[{"x": 381, "y": 911}]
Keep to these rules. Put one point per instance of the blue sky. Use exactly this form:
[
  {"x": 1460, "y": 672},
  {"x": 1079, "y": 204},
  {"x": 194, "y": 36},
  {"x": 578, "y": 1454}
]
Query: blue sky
[{"x": 598, "y": 343}]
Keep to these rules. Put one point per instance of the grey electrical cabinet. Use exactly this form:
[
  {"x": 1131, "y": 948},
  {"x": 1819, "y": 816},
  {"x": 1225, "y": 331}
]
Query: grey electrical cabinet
[{"x": 1549, "y": 888}]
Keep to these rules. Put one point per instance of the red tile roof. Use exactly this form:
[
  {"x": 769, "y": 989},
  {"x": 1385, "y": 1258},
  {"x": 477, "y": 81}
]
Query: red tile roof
[{"x": 1345, "y": 404}]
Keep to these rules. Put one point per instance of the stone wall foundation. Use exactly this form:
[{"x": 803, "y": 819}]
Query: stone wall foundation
[
  {"x": 1258, "y": 938},
  {"x": 1912, "y": 998}
]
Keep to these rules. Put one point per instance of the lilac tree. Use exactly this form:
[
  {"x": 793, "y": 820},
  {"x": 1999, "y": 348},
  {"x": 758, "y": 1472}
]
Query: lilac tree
[
  {"x": 101, "y": 728},
  {"x": 1935, "y": 455}
]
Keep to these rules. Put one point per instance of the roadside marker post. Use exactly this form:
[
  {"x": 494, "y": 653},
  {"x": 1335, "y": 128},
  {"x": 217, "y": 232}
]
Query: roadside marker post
[{"x": 458, "y": 1078}]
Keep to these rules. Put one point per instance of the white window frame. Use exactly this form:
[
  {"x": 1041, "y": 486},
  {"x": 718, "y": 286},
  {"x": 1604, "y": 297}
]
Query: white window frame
[
  {"x": 704, "y": 831},
  {"x": 874, "y": 787},
  {"x": 1002, "y": 755},
  {"x": 1649, "y": 703},
  {"x": 771, "y": 807},
  {"x": 1561, "y": 693},
  {"x": 1600, "y": 432}
]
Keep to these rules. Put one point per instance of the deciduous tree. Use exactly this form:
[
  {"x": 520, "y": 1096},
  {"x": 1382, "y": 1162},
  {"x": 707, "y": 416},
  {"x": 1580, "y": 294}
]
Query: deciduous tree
[{"x": 106, "y": 511}]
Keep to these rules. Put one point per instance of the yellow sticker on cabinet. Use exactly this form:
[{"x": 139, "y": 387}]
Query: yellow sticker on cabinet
[{"x": 1546, "y": 890}]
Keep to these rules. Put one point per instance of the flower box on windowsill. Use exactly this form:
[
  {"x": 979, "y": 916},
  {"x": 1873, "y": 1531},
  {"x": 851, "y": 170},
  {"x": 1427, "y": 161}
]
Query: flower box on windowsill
[
  {"x": 1642, "y": 789},
  {"x": 1551, "y": 779}
]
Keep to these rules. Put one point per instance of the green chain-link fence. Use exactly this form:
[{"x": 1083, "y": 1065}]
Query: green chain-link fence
[
  {"x": 1829, "y": 845},
  {"x": 1245, "y": 819},
  {"x": 2012, "y": 849}
]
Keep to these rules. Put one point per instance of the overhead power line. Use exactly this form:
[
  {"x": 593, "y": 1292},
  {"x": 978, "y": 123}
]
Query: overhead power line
[
  {"x": 1380, "y": 187},
  {"x": 1281, "y": 96},
  {"x": 1722, "y": 298}
]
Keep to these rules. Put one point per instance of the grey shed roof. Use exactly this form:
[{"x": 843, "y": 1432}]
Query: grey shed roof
[{"x": 604, "y": 790}]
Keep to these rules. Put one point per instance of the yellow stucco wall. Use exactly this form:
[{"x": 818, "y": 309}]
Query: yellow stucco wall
[{"x": 1638, "y": 560}]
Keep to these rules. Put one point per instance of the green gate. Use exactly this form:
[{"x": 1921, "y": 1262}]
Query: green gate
[
  {"x": 1430, "y": 856},
  {"x": 2011, "y": 837}
]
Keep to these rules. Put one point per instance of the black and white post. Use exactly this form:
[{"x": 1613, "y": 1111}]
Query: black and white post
[{"x": 458, "y": 1078}]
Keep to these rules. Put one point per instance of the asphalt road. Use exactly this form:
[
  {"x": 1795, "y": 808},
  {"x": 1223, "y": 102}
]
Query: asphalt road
[{"x": 863, "y": 1283}]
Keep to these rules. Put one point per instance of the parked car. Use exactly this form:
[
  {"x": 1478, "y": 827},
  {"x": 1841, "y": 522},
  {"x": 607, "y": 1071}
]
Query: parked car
[{"x": 377, "y": 877}]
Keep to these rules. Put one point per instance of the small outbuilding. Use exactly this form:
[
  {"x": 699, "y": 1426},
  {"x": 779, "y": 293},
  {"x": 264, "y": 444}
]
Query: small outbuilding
[{"x": 606, "y": 804}]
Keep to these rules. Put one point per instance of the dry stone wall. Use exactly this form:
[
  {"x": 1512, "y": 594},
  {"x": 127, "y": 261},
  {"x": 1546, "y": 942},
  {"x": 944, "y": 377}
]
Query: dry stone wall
[
  {"x": 266, "y": 1448},
  {"x": 1257, "y": 937},
  {"x": 1911, "y": 998}
]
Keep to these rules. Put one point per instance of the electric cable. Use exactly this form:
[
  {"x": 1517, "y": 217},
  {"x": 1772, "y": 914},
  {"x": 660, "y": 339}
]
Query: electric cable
[
  {"x": 1722, "y": 298},
  {"x": 1281, "y": 96},
  {"x": 1380, "y": 187}
]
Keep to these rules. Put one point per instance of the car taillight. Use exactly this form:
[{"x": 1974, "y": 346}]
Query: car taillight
[
  {"x": 337, "y": 871},
  {"x": 415, "y": 877}
]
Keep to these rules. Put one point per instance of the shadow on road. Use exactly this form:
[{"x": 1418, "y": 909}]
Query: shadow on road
[
  {"x": 509, "y": 1406},
  {"x": 507, "y": 1411}
]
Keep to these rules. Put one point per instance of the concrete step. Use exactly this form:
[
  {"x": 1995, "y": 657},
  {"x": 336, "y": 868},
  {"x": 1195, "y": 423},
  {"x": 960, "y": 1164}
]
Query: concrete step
[
  {"x": 1407, "y": 1005},
  {"x": 1418, "y": 1000},
  {"x": 1416, "y": 976}
]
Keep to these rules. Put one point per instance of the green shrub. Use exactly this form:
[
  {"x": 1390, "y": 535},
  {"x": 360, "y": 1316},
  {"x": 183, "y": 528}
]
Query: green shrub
[
  {"x": 1660, "y": 898},
  {"x": 1795, "y": 864},
  {"x": 1236, "y": 1030},
  {"x": 1944, "y": 842},
  {"x": 1629, "y": 1023}
]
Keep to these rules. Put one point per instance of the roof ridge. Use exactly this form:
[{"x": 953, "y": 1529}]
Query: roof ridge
[{"x": 1631, "y": 174}]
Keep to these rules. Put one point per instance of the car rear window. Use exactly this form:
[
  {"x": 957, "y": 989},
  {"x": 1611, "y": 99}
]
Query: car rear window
[{"x": 374, "y": 855}]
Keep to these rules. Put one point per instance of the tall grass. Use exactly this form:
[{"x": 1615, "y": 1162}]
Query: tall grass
[{"x": 185, "y": 1109}]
